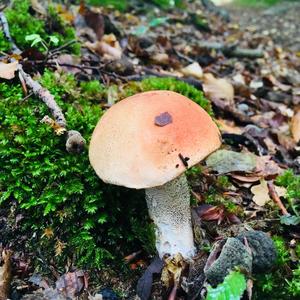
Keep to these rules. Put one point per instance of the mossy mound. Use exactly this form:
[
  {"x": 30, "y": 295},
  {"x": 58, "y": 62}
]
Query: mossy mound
[
  {"x": 61, "y": 200},
  {"x": 171, "y": 84}
]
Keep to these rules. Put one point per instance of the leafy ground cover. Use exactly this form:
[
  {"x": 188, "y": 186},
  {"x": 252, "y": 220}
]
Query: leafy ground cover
[{"x": 59, "y": 218}]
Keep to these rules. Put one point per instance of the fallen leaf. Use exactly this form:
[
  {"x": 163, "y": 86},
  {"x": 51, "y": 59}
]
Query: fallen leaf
[
  {"x": 59, "y": 130},
  {"x": 266, "y": 167},
  {"x": 94, "y": 20},
  {"x": 144, "y": 284},
  {"x": 218, "y": 88},
  {"x": 225, "y": 161},
  {"x": 193, "y": 69},
  {"x": 71, "y": 283},
  {"x": 171, "y": 273},
  {"x": 7, "y": 71},
  {"x": 290, "y": 220},
  {"x": 261, "y": 193},
  {"x": 228, "y": 127},
  {"x": 38, "y": 7},
  {"x": 243, "y": 178},
  {"x": 160, "y": 58}
]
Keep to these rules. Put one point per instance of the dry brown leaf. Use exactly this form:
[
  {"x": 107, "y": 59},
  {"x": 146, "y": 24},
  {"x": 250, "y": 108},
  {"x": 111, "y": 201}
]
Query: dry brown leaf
[
  {"x": 7, "y": 71},
  {"x": 38, "y": 7},
  {"x": 48, "y": 233},
  {"x": 228, "y": 127},
  {"x": 71, "y": 283},
  {"x": 107, "y": 51},
  {"x": 59, "y": 247},
  {"x": 215, "y": 88},
  {"x": 295, "y": 126},
  {"x": 265, "y": 166},
  {"x": 171, "y": 273},
  {"x": 160, "y": 58},
  {"x": 261, "y": 193},
  {"x": 193, "y": 70},
  {"x": 243, "y": 178},
  {"x": 59, "y": 130}
]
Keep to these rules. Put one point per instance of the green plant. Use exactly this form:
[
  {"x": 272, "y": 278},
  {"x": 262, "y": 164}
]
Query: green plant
[
  {"x": 285, "y": 282},
  {"x": 294, "y": 283},
  {"x": 232, "y": 288},
  {"x": 292, "y": 183},
  {"x": 36, "y": 39},
  {"x": 283, "y": 255}
]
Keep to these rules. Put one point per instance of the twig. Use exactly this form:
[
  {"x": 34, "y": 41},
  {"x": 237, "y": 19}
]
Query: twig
[
  {"x": 232, "y": 51},
  {"x": 75, "y": 142},
  {"x": 276, "y": 198},
  {"x": 54, "y": 51},
  {"x": 45, "y": 96}
]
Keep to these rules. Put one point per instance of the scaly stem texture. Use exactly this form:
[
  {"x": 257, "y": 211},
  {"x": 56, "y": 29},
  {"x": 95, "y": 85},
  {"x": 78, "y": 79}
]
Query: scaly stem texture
[{"x": 169, "y": 208}]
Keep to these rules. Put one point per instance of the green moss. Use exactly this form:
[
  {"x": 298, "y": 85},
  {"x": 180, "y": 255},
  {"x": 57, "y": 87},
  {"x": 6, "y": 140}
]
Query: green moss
[
  {"x": 57, "y": 190},
  {"x": 171, "y": 84},
  {"x": 22, "y": 23},
  {"x": 4, "y": 44},
  {"x": 117, "y": 4},
  {"x": 283, "y": 255},
  {"x": 292, "y": 183},
  {"x": 283, "y": 280}
]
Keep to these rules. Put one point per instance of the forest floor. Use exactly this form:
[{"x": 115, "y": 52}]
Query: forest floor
[{"x": 245, "y": 60}]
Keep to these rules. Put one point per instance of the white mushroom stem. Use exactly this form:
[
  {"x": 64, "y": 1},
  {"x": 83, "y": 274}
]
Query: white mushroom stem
[{"x": 169, "y": 208}]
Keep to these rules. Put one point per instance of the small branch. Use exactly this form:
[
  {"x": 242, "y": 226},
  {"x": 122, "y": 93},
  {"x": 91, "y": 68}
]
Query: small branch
[
  {"x": 232, "y": 51},
  {"x": 275, "y": 198},
  {"x": 45, "y": 96},
  {"x": 54, "y": 51}
]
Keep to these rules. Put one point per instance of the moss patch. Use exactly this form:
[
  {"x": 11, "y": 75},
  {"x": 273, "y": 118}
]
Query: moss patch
[{"x": 62, "y": 201}]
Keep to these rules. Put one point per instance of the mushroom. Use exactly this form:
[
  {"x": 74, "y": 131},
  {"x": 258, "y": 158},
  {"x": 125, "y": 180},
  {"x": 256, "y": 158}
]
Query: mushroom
[{"x": 147, "y": 141}]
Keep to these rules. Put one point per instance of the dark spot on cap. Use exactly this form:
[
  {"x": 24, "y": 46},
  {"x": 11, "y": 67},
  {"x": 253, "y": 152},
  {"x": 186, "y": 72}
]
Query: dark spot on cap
[{"x": 163, "y": 119}]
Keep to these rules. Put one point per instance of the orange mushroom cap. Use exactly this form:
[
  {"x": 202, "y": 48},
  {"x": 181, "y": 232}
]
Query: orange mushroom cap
[{"x": 151, "y": 138}]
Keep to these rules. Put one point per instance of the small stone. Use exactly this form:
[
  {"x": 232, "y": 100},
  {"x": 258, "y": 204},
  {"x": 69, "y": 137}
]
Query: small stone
[
  {"x": 263, "y": 250},
  {"x": 233, "y": 254}
]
